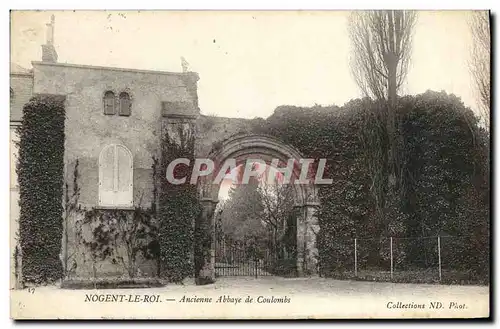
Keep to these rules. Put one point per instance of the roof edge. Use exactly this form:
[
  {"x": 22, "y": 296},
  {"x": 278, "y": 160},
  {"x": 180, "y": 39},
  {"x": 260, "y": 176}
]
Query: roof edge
[
  {"x": 30, "y": 74},
  {"x": 82, "y": 66}
]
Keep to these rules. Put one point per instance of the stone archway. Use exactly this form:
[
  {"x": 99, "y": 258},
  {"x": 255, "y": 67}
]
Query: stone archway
[{"x": 241, "y": 148}]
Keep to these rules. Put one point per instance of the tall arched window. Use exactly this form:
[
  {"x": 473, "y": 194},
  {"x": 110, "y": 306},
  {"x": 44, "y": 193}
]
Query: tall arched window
[
  {"x": 125, "y": 104},
  {"x": 116, "y": 170},
  {"x": 109, "y": 103}
]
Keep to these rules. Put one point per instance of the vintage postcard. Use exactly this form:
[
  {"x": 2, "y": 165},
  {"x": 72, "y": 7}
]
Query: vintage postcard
[{"x": 250, "y": 164}]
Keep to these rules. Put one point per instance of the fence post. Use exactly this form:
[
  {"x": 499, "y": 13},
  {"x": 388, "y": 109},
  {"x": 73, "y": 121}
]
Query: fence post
[
  {"x": 355, "y": 257},
  {"x": 256, "y": 266},
  {"x": 391, "y": 259},
  {"x": 439, "y": 256}
]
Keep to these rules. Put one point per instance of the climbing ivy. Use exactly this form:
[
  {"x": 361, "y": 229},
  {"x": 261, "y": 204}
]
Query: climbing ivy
[
  {"x": 444, "y": 188},
  {"x": 124, "y": 236},
  {"x": 72, "y": 210},
  {"x": 120, "y": 235},
  {"x": 40, "y": 171},
  {"x": 178, "y": 206}
]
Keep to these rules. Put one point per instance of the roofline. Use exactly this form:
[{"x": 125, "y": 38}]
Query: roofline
[
  {"x": 113, "y": 68},
  {"x": 27, "y": 74}
]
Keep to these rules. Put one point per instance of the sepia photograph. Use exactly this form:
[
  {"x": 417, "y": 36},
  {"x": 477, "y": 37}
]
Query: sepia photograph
[{"x": 299, "y": 164}]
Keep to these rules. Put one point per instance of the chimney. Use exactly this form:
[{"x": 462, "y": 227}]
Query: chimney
[{"x": 49, "y": 53}]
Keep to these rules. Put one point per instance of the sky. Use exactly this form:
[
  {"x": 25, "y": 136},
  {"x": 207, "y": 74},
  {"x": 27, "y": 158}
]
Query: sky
[{"x": 249, "y": 62}]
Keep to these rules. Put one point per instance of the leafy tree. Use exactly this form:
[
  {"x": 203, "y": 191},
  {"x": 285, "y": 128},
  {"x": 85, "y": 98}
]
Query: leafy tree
[
  {"x": 241, "y": 215},
  {"x": 278, "y": 200}
]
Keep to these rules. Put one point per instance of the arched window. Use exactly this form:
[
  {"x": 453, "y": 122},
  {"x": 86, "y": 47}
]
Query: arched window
[
  {"x": 11, "y": 94},
  {"x": 125, "y": 104},
  {"x": 109, "y": 103},
  {"x": 116, "y": 170}
]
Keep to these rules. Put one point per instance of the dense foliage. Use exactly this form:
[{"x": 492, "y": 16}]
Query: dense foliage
[
  {"x": 442, "y": 190},
  {"x": 443, "y": 186},
  {"x": 447, "y": 180},
  {"x": 40, "y": 174},
  {"x": 241, "y": 214},
  {"x": 178, "y": 209}
]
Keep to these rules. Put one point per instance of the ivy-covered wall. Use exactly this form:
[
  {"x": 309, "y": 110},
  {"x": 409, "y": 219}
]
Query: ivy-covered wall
[
  {"x": 40, "y": 172},
  {"x": 444, "y": 187},
  {"x": 178, "y": 205}
]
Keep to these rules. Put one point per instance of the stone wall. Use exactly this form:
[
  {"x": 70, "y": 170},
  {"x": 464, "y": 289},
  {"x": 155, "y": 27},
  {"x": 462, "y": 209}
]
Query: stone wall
[
  {"x": 22, "y": 88},
  {"x": 213, "y": 130},
  {"x": 158, "y": 99},
  {"x": 88, "y": 129}
]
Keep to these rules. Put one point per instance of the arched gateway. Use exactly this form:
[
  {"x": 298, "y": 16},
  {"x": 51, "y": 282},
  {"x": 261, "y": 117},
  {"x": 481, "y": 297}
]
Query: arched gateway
[{"x": 249, "y": 147}]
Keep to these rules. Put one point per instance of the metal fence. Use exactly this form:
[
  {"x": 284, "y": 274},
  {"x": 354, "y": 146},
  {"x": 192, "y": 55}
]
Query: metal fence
[
  {"x": 446, "y": 259},
  {"x": 413, "y": 259},
  {"x": 249, "y": 258},
  {"x": 239, "y": 259}
]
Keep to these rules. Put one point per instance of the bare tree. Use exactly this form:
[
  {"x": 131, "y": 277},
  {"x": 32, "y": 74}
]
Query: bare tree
[
  {"x": 381, "y": 52},
  {"x": 382, "y": 42},
  {"x": 479, "y": 63}
]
